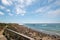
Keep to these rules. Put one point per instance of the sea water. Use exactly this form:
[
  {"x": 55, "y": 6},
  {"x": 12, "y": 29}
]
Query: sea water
[{"x": 52, "y": 28}]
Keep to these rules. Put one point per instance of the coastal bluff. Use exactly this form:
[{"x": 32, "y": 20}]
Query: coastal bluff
[{"x": 36, "y": 35}]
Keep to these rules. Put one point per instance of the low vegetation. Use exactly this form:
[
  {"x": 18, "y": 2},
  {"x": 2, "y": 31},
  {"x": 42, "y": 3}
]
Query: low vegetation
[{"x": 26, "y": 31}]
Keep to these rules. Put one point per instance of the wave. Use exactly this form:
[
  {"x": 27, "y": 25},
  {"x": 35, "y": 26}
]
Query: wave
[{"x": 44, "y": 31}]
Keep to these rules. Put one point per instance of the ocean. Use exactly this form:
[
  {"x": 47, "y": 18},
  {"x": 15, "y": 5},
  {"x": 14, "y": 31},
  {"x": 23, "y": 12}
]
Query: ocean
[{"x": 50, "y": 28}]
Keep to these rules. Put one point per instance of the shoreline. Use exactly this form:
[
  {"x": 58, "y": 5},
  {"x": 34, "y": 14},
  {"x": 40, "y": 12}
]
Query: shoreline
[
  {"x": 37, "y": 35},
  {"x": 44, "y": 31}
]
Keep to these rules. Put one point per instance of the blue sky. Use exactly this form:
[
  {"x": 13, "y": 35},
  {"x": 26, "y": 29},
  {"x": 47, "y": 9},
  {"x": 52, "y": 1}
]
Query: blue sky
[{"x": 30, "y": 11}]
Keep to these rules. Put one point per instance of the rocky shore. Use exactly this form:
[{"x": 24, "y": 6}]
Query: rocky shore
[{"x": 36, "y": 35}]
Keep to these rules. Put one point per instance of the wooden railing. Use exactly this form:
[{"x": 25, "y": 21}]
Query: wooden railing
[{"x": 19, "y": 37}]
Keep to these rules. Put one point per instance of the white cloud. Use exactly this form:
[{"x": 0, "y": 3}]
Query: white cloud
[
  {"x": 20, "y": 11},
  {"x": 57, "y": 2},
  {"x": 1, "y": 13},
  {"x": 8, "y": 10},
  {"x": 29, "y": 2},
  {"x": 49, "y": 1},
  {"x": 53, "y": 13},
  {"x": 48, "y": 7},
  {"x": 19, "y": 5},
  {"x": 6, "y": 2},
  {"x": 2, "y": 7},
  {"x": 20, "y": 8},
  {"x": 10, "y": 14},
  {"x": 18, "y": 2},
  {"x": 43, "y": 9},
  {"x": 24, "y": 3},
  {"x": 47, "y": 12}
]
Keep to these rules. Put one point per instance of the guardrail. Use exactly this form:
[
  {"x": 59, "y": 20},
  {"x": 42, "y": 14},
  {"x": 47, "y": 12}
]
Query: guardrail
[{"x": 22, "y": 35}]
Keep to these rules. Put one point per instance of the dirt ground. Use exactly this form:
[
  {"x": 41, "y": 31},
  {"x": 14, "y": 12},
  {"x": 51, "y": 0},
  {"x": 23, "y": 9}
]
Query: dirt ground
[{"x": 2, "y": 37}]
